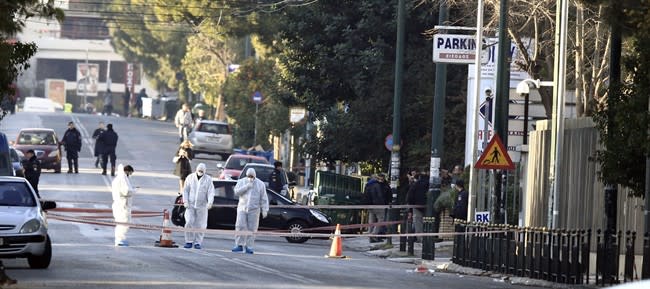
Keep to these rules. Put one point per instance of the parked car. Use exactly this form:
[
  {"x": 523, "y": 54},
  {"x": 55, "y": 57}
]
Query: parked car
[
  {"x": 263, "y": 172},
  {"x": 23, "y": 223},
  {"x": 235, "y": 163},
  {"x": 45, "y": 144},
  {"x": 294, "y": 220},
  {"x": 16, "y": 161},
  {"x": 211, "y": 137},
  {"x": 6, "y": 167}
]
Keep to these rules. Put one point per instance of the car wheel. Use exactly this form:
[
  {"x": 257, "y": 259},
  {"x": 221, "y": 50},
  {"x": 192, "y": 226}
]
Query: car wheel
[
  {"x": 42, "y": 261},
  {"x": 296, "y": 226}
]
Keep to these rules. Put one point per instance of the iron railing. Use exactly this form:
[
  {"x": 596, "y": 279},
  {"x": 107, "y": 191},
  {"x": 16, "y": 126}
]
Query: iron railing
[{"x": 555, "y": 255}]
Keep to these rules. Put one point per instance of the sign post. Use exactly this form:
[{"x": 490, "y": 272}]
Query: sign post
[{"x": 257, "y": 99}]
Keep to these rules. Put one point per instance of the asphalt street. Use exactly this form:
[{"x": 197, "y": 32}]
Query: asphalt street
[{"x": 84, "y": 255}]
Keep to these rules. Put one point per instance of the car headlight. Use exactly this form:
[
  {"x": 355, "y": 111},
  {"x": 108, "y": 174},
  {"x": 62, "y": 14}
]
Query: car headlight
[
  {"x": 54, "y": 153},
  {"x": 319, "y": 216},
  {"x": 31, "y": 226}
]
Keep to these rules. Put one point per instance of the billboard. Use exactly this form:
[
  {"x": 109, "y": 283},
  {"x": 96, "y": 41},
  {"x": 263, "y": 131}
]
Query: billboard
[
  {"x": 55, "y": 90},
  {"x": 87, "y": 78}
]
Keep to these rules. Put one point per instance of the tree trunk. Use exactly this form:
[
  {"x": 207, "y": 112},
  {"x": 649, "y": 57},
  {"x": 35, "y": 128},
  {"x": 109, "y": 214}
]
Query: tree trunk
[{"x": 579, "y": 60}]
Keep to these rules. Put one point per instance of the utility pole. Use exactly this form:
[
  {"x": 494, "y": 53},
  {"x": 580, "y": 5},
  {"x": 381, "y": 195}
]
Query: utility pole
[
  {"x": 437, "y": 129},
  {"x": 399, "y": 60},
  {"x": 473, "y": 185},
  {"x": 501, "y": 104}
]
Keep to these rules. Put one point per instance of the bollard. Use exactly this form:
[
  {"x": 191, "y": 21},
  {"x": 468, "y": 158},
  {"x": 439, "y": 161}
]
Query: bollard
[
  {"x": 427, "y": 242},
  {"x": 410, "y": 229},
  {"x": 403, "y": 229}
]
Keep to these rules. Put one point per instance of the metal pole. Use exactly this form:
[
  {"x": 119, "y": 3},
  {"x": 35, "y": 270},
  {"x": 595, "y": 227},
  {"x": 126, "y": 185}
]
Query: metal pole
[
  {"x": 399, "y": 60},
  {"x": 502, "y": 100},
  {"x": 471, "y": 204},
  {"x": 86, "y": 83},
  {"x": 557, "y": 123},
  {"x": 437, "y": 129},
  {"x": 255, "y": 130},
  {"x": 526, "y": 99}
]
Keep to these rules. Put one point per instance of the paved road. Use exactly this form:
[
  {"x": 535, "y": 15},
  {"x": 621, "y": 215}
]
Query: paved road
[{"x": 84, "y": 257}]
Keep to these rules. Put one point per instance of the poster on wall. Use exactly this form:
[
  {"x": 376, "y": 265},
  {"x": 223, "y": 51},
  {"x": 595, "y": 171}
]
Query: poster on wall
[
  {"x": 55, "y": 90},
  {"x": 87, "y": 79}
]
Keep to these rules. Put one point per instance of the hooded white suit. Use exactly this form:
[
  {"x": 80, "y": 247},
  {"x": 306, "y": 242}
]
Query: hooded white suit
[
  {"x": 198, "y": 196},
  {"x": 252, "y": 200},
  {"x": 122, "y": 193}
]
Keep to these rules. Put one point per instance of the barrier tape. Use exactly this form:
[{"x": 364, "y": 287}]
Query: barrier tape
[
  {"x": 343, "y": 207},
  {"x": 94, "y": 210},
  {"x": 259, "y": 233}
]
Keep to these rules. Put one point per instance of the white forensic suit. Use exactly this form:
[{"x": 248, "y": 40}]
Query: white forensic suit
[
  {"x": 252, "y": 200},
  {"x": 198, "y": 196},
  {"x": 122, "y": 193}
]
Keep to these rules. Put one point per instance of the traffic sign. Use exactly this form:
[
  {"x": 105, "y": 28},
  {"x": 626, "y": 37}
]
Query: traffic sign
[
  {"x": 388, "y": 142},
  {"x": 485, "y": 110},
  {"x": 495, "y": 156},
  {"x": 257, "y": 97}
]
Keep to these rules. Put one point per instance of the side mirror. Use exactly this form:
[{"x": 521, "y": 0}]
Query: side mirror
[{"x": 48, "y": 205}]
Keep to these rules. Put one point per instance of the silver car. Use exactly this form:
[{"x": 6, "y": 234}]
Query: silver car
[
  {"x": 211, "y": 137},
  {"x": 23, "y": 223}
]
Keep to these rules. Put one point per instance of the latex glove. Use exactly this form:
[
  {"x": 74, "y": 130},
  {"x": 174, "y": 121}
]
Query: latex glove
[
  {"x": 209, "y": 206},
  {"x": 186, "y": 205},
  {"x": 264, "y": 214}
]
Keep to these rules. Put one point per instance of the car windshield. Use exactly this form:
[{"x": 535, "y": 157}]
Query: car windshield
[
  {"x": 213, "y": 128},
  {"x": 239, "y": 163},
  {"x": 16, "y": 194},
  {"x": 262, "y": 173},
  {"x": 36, "y": 138}
]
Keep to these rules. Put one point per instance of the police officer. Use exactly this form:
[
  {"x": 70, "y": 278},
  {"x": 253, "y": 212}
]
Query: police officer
[{"x": 32, "y": 167}]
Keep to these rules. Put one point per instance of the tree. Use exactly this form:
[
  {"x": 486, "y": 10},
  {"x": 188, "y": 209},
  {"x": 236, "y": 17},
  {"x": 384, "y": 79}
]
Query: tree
[
  {"x": 16, "y": 54},
  {"x": 623, "y": 120},
  {"x": 145, "y": 33},
  {"x": 337, "y": 54},
  {"x": 272, "y": 118}
]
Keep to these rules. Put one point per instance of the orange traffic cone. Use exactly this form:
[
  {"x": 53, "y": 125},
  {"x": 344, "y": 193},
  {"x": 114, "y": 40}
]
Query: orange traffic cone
[
  {"x": 336, "y": 250},
  {"x": 166, "y": 234}
]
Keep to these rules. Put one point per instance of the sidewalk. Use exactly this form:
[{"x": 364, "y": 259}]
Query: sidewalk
[{"x": 442, "y": 262}]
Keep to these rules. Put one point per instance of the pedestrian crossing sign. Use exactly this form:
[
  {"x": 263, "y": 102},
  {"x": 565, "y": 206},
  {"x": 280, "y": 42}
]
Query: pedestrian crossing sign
[{"x": 495, "y": 156}]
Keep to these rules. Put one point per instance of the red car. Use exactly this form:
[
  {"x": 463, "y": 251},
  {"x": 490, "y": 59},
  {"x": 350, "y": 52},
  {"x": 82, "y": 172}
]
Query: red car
[
  {"x": 236, "y": 163},
  {"x": 45, "y": 144}
]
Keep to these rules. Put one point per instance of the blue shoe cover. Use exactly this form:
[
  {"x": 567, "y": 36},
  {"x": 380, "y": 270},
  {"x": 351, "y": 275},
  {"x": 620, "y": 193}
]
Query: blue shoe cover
[
  {"x": 188, "y": 246},
  {"x": 238, "y": 249},
  {"x": 249, "y": 250},
  {"x": 197, "y": 246}
]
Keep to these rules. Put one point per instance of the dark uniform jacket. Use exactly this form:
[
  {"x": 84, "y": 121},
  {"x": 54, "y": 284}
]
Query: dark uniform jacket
[
  {"x": 418, "y": 191},
  {"x": 109, "y": 141},
  {"x": 276, "y": 182},
  {"x": 460, "y": 208},
  {"x": 72, "y": 142},
  {"x": 32, "y": 168},
  {"x": 98, "y": 144}
]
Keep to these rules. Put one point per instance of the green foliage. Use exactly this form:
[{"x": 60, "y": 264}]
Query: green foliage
[
  {"x": 158, "y": 41},
  {"x": 15, "y": 54},
  {"x": 343, "y": 52},
  {"x": 623, "y": 123},
  {"x": 273, "y": 116}
]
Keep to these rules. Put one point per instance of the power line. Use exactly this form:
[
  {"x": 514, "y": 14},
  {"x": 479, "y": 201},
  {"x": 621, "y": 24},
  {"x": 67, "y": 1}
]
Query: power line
[{"x": 118, "y": 27}]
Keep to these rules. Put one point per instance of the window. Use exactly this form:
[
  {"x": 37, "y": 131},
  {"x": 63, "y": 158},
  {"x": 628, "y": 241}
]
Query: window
[
  {"x": 36, "y": 138},
  {"x": 16, "y": 194},
  {"x": 225, "y": 190},
  {"x": 214, "y": 128}
]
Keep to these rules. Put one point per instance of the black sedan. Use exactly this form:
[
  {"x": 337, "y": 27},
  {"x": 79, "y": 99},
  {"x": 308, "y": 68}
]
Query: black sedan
[{"x": 287, "y": 219}]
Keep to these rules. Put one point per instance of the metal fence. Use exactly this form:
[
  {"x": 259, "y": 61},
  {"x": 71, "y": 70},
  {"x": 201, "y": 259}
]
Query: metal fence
[{"x": 561, "y": 256}]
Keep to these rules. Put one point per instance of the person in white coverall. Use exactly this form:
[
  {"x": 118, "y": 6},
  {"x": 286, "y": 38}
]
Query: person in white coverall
[
  {"x": 122, "y": 194},
  {"x": 252, "y": 200},
  {"x": 198, "y": 196}
]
